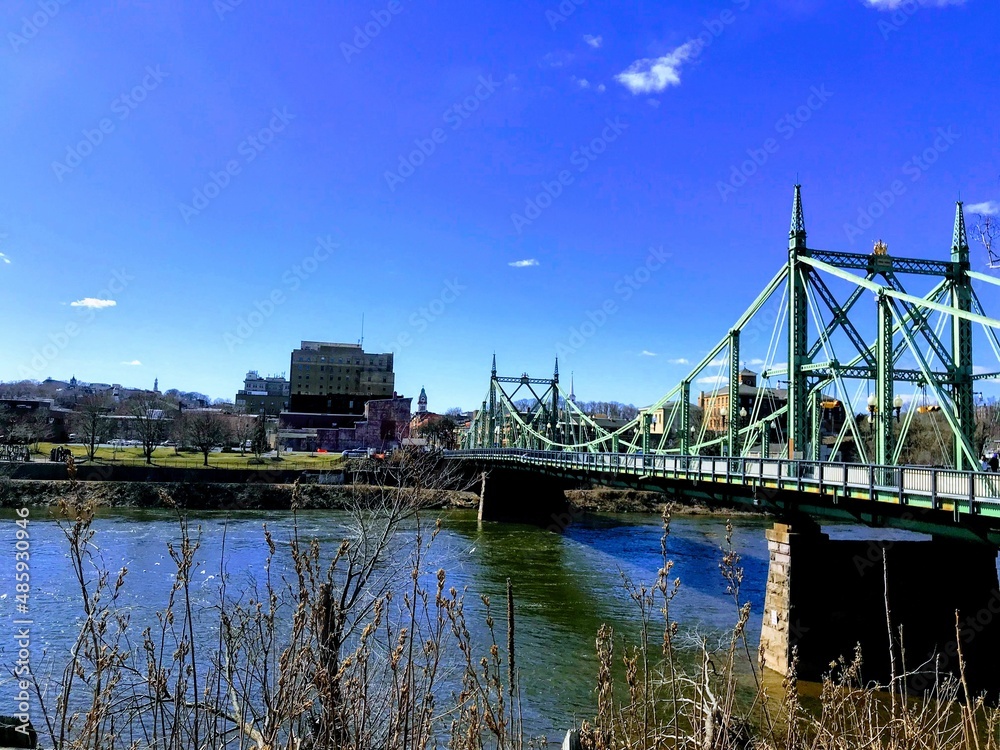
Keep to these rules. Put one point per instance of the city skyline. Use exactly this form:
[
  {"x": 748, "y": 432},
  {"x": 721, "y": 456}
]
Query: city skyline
[{"x": 609, "y": 185}]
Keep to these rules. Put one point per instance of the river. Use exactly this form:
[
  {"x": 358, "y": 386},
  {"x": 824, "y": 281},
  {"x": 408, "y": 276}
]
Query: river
[{"x": 566, "y": 585}]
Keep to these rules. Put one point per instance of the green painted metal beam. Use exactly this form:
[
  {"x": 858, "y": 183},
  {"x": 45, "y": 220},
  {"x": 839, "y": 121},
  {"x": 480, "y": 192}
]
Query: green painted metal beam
[
  {"x": 733, "y": 415},
  {"x": 961, "y": 339}
]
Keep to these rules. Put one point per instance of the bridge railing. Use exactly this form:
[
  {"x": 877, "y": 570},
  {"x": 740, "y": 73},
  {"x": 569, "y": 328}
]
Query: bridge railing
[{"x": 965, "y": 491}]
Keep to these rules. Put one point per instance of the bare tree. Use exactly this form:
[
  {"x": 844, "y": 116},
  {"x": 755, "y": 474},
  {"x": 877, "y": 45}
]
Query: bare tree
[
  {"x": 24, "y": 426},
  {"x": 442, "y": 432},
  {"x": 90, "y": 421},
  {"x": 987, "y": 230},
  {"x": 258, "y": 444},
  {"x": 241, "y": 426},
  {"x": 149, "y": 421},
  {"x": 205, "y": 430}
]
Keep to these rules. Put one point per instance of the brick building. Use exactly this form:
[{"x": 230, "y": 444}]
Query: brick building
[{"x": 383, "y": 425}]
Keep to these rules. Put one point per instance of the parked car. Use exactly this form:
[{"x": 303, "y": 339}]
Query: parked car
[{"x": 355, "y": 453}]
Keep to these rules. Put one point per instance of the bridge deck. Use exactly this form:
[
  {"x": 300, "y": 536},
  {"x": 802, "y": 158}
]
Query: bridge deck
[{"x": 960, "y": 492}]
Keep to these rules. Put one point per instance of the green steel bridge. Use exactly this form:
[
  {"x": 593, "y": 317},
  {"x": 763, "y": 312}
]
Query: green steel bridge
[
  {"x": 859, "y": 380},
  {"x": 828, "y": 346}
]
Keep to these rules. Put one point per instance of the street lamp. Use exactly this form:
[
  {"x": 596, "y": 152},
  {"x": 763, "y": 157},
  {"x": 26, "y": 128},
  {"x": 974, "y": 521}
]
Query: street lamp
[
  {"x": 743, "y": 413},
  {"x": 722, "y": 416},
  {"x": 897, "y": 406},
  {"x": 872, "y": 408}
]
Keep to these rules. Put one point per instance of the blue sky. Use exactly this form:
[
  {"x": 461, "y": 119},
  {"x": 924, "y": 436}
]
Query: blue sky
[{"x": 239, "y": 176}]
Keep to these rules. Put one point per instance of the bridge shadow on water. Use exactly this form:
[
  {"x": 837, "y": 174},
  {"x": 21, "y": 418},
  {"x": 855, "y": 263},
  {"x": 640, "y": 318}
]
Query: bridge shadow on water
[
  {"x": 569, "y": 583},
  {"x": 574, "y": 578}
]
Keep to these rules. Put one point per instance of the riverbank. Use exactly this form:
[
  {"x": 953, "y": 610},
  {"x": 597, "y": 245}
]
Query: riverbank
[
  {"x": 278, "y": 496},
  {"x": 613, "y": 500},
  {"x": 209, "y": 495}
]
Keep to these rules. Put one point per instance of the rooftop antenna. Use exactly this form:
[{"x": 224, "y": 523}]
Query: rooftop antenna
[{"x": 361, "y": 343}]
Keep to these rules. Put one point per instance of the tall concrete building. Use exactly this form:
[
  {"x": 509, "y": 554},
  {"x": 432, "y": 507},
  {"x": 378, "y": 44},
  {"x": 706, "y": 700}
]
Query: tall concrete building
[{"x": 338, "y": 378}]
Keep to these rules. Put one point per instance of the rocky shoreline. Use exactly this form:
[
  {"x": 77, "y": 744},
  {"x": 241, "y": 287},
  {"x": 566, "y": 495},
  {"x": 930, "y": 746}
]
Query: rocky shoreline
[{"x": 266, "y": 496}]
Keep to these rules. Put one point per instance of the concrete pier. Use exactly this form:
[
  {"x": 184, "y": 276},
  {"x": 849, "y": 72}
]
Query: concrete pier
[
  {"x": 521, "y": 497},
  {"x": 825, "y": 596}
]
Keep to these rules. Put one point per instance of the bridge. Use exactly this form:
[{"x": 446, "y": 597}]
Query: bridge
[{"x": 833, "y": 442}]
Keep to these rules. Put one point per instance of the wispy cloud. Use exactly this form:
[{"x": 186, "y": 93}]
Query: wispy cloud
[
  {"x": 133, "y": 363},
  {"x": 655, "y": 74},
  {"x": 647, "y": 353},
  {"x": 718, "y": 362},
  {"x": 93, "y": 303},
  {"x": 989, "y": 208},
  {"x": 583, "y": 83},
  {"x": 754, "y": 362},
  {"x": 526, "y": 263},
  {"x": 593, "y": 41},
  {"x": 711, "y": 380},
  {"x": 558, "y": 59},
  {"x": 678, "y": 361},
  {"x": 893, "y": 4},
  {"x": 4, "y": 258}
]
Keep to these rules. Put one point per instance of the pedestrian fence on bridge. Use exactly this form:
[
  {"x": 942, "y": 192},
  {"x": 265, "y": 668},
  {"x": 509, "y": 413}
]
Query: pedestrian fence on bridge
[{"x": 961, "y": 491}]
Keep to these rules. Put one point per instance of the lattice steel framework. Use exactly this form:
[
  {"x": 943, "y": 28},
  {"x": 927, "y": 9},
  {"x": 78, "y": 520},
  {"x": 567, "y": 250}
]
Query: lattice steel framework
[{"x": 904, "y": 327}]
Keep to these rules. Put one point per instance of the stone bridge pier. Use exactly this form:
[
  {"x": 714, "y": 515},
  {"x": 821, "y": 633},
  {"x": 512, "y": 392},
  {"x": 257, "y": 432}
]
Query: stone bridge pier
[
  {"x": 522, "y": 497},
  {"x": 825, "y": 596}
]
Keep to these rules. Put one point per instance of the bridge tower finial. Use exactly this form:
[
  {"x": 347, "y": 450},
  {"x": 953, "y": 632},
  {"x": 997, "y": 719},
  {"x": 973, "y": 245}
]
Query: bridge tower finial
[
  {"x": 797, "y": 233},
  {"x": 494, "y": 371},
  {"x": 555, "y": 373},
  {"x": 959, "y": 239}
]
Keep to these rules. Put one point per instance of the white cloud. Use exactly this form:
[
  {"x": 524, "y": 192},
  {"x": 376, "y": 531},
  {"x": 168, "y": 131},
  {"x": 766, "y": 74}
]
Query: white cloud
[
  {"x": 557, "y": 59},
  {"x": 583, "y": 83},
  {"x": 678, "y": 361},
  {"x": 656, "y": 74},
  {"x": 893, "y": 4},
  {"x": 754, "y": 363},
  {"x": 601, "y": 88},
  {"x": 712, "y": 380},
  {"x": 989, "y": 208},
  {"x": 133, "y": 363},
  {"x": 717, "y": 362},
  {"x": 526, "y": 263},
  {"x": 647, "y": 353},
  {"x": 93, "y": 303},
  {"x": 593, "y": 41},
  {"x": 653, "y": 102},
  {"x": 4, "y": 258}
]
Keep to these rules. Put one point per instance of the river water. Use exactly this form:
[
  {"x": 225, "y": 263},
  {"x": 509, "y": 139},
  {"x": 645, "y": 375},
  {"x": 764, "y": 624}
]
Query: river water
[{"x": 566, "y": 584}]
